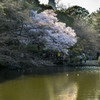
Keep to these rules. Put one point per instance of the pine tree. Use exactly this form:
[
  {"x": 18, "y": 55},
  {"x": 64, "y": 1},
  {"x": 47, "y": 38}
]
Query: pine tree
[{"x": 52, "y": 3}]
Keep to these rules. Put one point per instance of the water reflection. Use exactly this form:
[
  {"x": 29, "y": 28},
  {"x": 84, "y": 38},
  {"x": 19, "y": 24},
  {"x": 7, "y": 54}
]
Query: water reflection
[
  {"x": 70, "y": 93},
  {"x": 59, "y": 88},
  {"x": 76, "y": 85}
]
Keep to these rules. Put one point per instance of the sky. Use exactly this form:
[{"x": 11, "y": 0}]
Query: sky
[{"x": 90, "y": 5}]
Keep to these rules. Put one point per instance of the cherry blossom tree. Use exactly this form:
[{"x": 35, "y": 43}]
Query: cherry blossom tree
[{"x": 46, "y": 29}]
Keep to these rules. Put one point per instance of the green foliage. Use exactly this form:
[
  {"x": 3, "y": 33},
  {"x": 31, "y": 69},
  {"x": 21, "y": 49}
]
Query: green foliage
[
  {"x": 12, "y": 41},
  {"x": 75, "y": 60},
  {"x": 98, "y": 25},
  {"x": 75, "y": 52},
  {"x": 26, "y": 5},
  {"x": 47, "y": 50},
  {"x": 44, "y": 7},
  {"x": 98, "y": 20},
  {"x": 11, "y": 17},
  {"x": 35, "y": 2},
  {"x": 63, "y": 17},
  {"x": 2, "y": 12},
  {"x": 77, "y": 12},
  {"x": 32, "y": 48},
  {"x": 94, "y": 20},
  {"x": 14, "y": 47},
  {"x": 30, "y": 4}
]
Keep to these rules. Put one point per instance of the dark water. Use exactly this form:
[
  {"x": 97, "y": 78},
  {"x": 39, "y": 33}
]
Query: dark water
[{"x": 78, "y": 84}]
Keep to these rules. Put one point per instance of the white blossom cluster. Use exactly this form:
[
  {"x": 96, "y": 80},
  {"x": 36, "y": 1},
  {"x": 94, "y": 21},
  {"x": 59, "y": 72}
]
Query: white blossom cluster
[{"x": 46, "y": 29}]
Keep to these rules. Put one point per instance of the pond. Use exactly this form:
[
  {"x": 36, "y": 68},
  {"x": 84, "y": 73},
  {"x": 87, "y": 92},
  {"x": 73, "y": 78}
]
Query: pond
[{"x": 78, "y": 84}]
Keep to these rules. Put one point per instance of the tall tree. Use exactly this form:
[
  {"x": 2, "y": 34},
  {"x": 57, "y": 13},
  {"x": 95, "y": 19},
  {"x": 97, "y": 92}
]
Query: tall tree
[
  {"x": 47, "y": 30},
  {"x": 52, "y": 3},
  {"x": 77, "y": 12},
  {"x": 98, "y": 20}
]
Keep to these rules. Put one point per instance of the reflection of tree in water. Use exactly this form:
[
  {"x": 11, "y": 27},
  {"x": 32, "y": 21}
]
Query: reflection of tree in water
[
  {"x": 86, "y": 86},
  {"x": 59, "y": 88},
  {"x": 69, "y": 93}
]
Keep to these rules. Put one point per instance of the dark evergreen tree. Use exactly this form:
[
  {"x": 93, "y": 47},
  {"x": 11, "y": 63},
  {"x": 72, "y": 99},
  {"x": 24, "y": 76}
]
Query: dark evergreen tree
[
  {"x": 52, "y": 3},
  {"x": 77, "y": 12}
]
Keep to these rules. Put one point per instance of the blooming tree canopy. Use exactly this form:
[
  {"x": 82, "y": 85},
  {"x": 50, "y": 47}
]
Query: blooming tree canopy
[{"x": 46, "y": 29}]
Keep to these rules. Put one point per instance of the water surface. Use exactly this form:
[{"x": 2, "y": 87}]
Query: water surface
[{"x": 68, "y": 85}]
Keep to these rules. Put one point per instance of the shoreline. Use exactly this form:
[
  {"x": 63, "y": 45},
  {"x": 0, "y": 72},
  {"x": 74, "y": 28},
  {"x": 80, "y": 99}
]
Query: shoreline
[{"x": 10, "y": 74}]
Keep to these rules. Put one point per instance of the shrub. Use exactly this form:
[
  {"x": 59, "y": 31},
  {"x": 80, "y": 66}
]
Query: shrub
[
  {"x": 14, "y": 47},
  {"x": 32, "y": 48}
]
